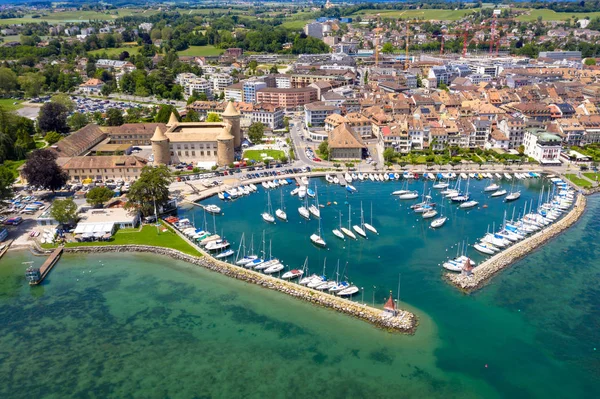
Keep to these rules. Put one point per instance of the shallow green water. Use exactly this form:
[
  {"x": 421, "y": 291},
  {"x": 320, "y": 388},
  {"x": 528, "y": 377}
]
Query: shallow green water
[{"x": 119, "y": 325}]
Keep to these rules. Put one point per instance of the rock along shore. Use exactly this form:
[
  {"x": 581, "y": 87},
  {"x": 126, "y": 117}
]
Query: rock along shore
[
  {"x": 486, "y": 270},
  {"x": 405, "y": 322}
]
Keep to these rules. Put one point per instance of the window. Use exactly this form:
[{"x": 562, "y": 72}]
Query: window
[
  {"x": 193, "y": 153},
  {"x": 179, "y": 153},
  {"x": 187, "y": 153},
  {"x": 201, "y": 153},
  {"x": 215, "y": 153}
]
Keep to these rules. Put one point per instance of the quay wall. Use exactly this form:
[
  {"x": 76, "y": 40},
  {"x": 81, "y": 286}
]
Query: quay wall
[
  {"x": 486, "y": 270},
  {"x": 405, "y": 322}
]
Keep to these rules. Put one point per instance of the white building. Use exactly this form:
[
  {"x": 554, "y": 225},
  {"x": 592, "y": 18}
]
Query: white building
[
  {"x": 221, "y": 81},
  {"x": 542, "y": 146},
  {"x": 283, "y": 82},
  {"x": 250, "y": 88}
]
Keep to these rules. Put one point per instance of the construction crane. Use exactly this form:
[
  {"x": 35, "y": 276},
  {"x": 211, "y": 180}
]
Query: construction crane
[
  {"x": 408, "y": 22},
  {"x": 465, "y": 40}
]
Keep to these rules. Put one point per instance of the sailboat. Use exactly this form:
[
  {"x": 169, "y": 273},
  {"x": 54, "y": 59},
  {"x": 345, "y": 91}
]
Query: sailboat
[
  {"x": 295, "y": 273},
  {"x": 465, "y": 197},
  {"x": 439, "y": 222},
  {"x": 492, "y": 187},
  {"x": 316, "y": 237},
  {"x": 513, "y": 195},
  {"x": 370, "y": 226},
  {"x": 280, "y": 213},
  {"x": 269, "y": 262},
  {"x": 499, "y": 193},
  {"x": 303, "y": 210},
  {"x": 246, "y": 258},
  {"x": 359, "y": 229},
  {"x": 268, "y": 215},
  {"x": 347, "y": 231},
  {"x": 339, "y": 285},
  {"x": 314, "y": 208},
  {"x": 338, "y": 233}
]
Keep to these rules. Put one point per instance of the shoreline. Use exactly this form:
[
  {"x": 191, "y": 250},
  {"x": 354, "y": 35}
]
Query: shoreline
[
  {"x": 405, "y": 322},
  {"x": 483, "y": 273}
]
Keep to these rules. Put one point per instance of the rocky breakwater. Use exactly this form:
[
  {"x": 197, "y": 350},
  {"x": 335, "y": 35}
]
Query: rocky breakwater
[
  {"x": 404, "y": 321},
  {"x": 486, "y": 270}
]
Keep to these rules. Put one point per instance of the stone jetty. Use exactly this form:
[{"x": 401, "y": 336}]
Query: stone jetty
[
  {"x": 486, "y": 270},
  {"x": 404, "y": 322}
]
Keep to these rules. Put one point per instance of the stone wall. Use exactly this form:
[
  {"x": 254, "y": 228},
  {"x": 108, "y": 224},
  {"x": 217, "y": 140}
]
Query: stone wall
[
  {"x": 404, "y": 322},
  {"x": 486, "y": 270}
]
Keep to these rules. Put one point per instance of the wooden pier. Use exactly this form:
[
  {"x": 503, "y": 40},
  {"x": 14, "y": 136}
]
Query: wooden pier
[
  {"x": 5, "y": 248},
  {"x": 342, "y": 180},
  {"x": 298, "y": 181},
  {"x": 48, "y": 265}
]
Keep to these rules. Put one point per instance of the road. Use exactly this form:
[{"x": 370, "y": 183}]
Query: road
[{"x": 300, "y": 145}]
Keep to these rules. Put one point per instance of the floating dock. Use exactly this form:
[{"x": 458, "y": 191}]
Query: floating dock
[
  {"x": 298, "y": 181},
  {"x": 48, "y": 265},
  {"x": 342, "y": 180}
]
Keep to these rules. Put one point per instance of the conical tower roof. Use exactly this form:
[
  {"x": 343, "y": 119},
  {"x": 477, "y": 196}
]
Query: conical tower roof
[
  {"x": 158, "y": 135},
  {"x": 225, "y": 133},
  {"x": 172, "y": 119},
  {"x": 390, "y": 304},
  {"x": 230, "y": 110}
]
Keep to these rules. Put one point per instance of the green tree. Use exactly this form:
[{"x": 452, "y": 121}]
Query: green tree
[
  {"x": 388, "y": 48},
  {"x": 252, "y": 65},
  {"x": 32, "y": 83},
  {"x": 52, "y": 138},
  {"x": 114, "y": 117},
  {"x": 99, "y": 195},
  {"x": 590, "y": 61},
  {"x": 78, "y": 120},
  {"x": 366, "y": 78},
  {"x": 256, "y": 131},
  {"x": 65, "y": 100},
  {"x": 389, "y": 154},
  {"x": 6, "y": 183},
  {"x": 324, "y": 149},
  {"x": 212, "y": 117},
  {"x": 273, "y": 69},
  {"x": 151, "y": 188},
  {"x": 41, "y": 170},
  {"x": 191, "y": 116},
  {"x": 64, "y": 211},
  {"x": 164, "y": 113},
  {"x": 8, "y": 81}
]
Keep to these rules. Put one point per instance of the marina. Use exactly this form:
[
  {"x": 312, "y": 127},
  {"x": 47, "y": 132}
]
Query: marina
[{"x": 36, "y": 276}]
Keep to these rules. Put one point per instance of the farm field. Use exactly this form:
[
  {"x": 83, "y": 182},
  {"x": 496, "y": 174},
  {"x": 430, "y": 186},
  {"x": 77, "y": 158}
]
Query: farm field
[
  {"x": 199, "y": 51},
  {"x": 551, "y": 15},
  {"x": 115, "y": 51},
  {"x": 444, "y": 15},
  {"x": 78, "y": 16}
]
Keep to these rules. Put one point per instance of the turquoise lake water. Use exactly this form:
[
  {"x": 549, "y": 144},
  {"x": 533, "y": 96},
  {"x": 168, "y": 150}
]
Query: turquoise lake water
[{"x": 116, "y": 325}]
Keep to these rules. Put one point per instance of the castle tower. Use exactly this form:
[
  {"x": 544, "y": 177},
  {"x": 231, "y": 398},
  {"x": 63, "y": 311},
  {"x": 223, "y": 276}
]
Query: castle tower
[
  {"x": 160, "y": 147},
  {"x": 225, "y": 151},
  {"x": 232, "y": 117},
  {"x": 172, "y": 120}
]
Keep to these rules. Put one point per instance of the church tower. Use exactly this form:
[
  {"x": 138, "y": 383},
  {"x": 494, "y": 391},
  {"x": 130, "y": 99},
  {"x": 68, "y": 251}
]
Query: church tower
[
  {"x": 225, "y": 153},
  {"x": 160, "y": 147},
  {"x": 172, "y": 120},
  {"x": 232, "y": 117}
]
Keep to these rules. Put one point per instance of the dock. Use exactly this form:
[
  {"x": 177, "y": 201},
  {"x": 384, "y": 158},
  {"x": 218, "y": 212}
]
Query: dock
[
  {"x": 342, "y": 180},
  {"x": 48, "y": 265},
  {"x": 5, "y": 248},
  {"x": 298, "y": 181}
]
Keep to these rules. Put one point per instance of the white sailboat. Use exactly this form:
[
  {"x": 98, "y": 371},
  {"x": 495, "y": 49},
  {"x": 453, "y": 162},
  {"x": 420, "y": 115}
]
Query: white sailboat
[
  {"x": 303, "y": 210},
  {"x": 439, "y": 222},
  {"x": 337, "y": 232},
  {"x": 513, "y": 195},
  {"x": 268, "y": 214},
  {"x": 302, "y": 192},
  {"x": 499, "y": 193},
  {"x": 314, "y": 208},
  {"x": 409, "y": 196},
  {"x": 280, "y": 213},
  {"x": 370, "y": 226},
  {"x": 347, "y": 231},
  {"x": 247, "y": 258},
  {"x": 491, "y": 187},
  {"x": 359, "y": 229},
  {"x": 295, "y": 273},
  {"x": 317, "y": 239}
]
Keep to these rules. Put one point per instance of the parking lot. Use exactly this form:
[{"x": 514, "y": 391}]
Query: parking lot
[{"x": 84, "y": 104}]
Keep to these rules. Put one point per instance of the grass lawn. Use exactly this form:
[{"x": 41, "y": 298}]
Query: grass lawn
[
  {"x": 551, "y": 15},
  {"x": 40, "y": 144},
  {"x": 592, "y": 176},
  {"x": 116, "y": 51},
  {"x": 256, "y": 155},
  {"x": 146, "y": 236},
  {"x": 199, "y": 51},
  {"x": 295, "y": 24},
  {"x": 78, "y": 16},
  {"x": 14, "y": 165},
  {"x": 9, "y": 104},
  {"x": 580, "y": 182},
  {"x": 441, "y": 15}
]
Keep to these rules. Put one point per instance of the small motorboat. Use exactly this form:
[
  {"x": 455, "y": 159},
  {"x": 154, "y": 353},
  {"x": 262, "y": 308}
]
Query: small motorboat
[
  {"x": 225, "y": 254},
  {"x": 292, "y": 274},
  {"x": 499, "y": 193}
]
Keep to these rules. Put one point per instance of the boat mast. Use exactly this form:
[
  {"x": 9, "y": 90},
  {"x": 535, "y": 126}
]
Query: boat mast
[{"x": 237, "y": 256}]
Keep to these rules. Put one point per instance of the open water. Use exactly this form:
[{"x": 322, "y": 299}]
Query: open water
[{"x": 116, "y": 325}]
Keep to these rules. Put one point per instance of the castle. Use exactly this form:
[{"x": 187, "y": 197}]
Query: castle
[{"x": 198, "y": 142}]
